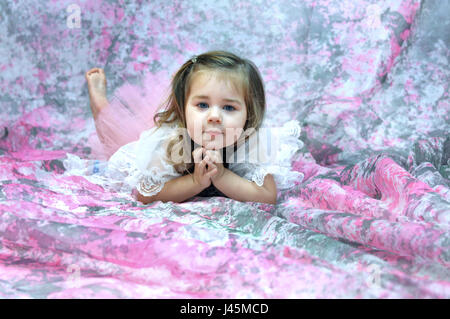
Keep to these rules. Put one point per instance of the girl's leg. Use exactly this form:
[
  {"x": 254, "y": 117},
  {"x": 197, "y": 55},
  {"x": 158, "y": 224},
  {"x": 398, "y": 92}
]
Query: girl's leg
[
  {"x": 114, "y": 123},
  {"x": 96, "y": 81}
]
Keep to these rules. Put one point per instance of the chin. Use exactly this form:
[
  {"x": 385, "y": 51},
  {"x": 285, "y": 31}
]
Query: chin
[
  {"x": 215, "y": 143},
  {"x": 212, "y": 145}
]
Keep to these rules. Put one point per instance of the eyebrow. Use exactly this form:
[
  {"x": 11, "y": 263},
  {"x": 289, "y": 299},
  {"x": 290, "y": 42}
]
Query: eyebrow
[{"x": 226, "y": 100}]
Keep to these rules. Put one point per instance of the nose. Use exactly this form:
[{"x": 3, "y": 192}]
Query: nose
[{"x": 214, "y": 115}]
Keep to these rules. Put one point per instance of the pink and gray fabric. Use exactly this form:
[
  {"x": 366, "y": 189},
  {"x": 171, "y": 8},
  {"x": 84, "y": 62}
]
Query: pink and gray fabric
[{"x": 368, "y": 81}]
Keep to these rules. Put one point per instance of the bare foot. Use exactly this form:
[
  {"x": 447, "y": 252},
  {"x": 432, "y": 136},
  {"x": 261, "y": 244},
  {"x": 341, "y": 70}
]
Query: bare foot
[{"x": 96, "y": 81}]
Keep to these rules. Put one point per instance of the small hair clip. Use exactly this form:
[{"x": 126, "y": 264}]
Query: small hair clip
[{"x": 194, "y": 59}]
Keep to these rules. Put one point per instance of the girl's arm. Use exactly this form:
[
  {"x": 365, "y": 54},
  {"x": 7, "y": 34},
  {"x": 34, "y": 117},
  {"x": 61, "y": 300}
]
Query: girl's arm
[
  {"x": 243, "y": 190},
  {"x": 176, "y": 190}
]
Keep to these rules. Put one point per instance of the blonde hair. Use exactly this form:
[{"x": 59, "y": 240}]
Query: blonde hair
[{"x": 249, "y": 81}]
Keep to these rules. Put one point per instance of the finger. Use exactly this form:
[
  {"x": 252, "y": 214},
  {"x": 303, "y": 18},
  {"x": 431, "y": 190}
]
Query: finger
[
  {"x": 208, "y": 155},
  {"x": 199, "y": 155},
  {"x": 212, "y": 172},
  {"x": 216, "y": 157},
  {"x": 196, "y": 154},
  {"x": 202, "y": 167},
  {"x": 207, "y": 161},
  {"x": 211, "y": 153},
  {"x": 219, "y": 158},
  {"x": 211, "y": 165},
  {"x": 204, "y": 152}
]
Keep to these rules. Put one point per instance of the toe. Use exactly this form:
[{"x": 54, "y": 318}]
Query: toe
[{"x": 94, "y": 70}]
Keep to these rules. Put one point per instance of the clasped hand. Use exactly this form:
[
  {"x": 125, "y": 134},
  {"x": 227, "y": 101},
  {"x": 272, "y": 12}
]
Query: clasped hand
[{"x": 210, "y": 168}]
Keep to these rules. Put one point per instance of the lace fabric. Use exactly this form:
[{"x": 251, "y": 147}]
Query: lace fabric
[
  {"x": 137, "y": 165},
  {"x": 276, "y": 157},
  {"x": 143, "y": 164}
]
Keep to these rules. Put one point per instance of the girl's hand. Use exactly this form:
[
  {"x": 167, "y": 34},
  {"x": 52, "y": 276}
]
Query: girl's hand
[
  {"x": 202, "y": 175},
  {"x": 216, "y": 162}
]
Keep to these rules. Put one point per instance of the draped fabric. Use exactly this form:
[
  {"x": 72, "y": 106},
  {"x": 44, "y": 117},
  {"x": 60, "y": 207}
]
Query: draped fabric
[{"x": 366, "y": 80}]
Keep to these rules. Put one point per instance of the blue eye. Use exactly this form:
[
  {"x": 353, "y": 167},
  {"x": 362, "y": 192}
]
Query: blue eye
[{"x": 232, "y": 107}]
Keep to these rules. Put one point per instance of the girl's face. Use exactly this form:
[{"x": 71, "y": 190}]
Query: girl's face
[{"x": 215, "y": 111}]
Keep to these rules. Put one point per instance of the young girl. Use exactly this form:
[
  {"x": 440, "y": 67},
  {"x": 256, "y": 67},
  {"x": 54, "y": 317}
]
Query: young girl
[{"x": 216, "y": 98}]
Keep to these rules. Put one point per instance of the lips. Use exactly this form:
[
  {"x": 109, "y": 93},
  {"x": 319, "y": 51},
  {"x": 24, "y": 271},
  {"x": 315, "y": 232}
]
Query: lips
[{"x": 214, "y": 132}]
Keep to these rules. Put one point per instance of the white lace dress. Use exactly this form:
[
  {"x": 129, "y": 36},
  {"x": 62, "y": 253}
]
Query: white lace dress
[{"x": 141, "y": 165}]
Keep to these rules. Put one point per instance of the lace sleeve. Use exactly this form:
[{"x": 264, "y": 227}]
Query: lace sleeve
[
  {"x": 271, "y": 154},
  {"x": 141, "y": 165}
]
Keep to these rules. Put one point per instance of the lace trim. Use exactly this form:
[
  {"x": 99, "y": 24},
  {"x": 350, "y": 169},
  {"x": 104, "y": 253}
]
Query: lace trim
[
  {"x": 148, "y": 184},
  {"x": 147, "y": 188},
  {"x": 259, "y": 175},
  {"x": 151, "y": 183},
  {"x": 284, "y": 176},
  {"x": 292, "y": 128}
]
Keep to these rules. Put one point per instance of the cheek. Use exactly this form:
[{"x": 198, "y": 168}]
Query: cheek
[
  {"x": 194, "y": 127},
  {"x": 244, "y": 120}
]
